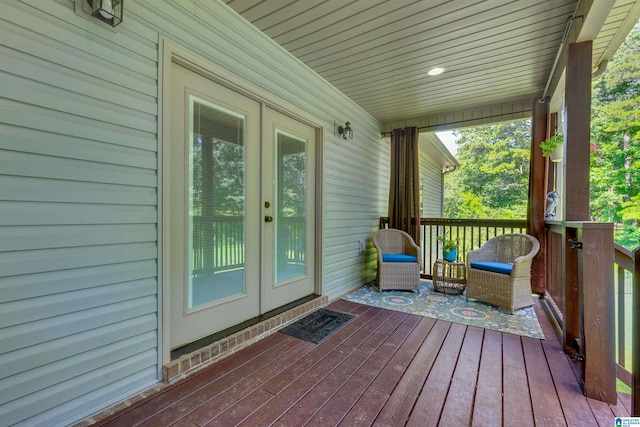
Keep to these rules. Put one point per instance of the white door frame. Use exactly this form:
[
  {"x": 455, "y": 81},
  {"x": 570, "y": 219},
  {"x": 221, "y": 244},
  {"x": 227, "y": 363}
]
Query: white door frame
[{"x": 173, "y": 53}]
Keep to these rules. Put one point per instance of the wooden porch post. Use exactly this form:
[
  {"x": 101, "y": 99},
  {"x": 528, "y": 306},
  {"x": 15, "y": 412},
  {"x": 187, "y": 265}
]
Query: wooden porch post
[
  {"x": 587, "y": 246},
  {"x": 577, "y": 130},
  {"x": 575, "y": 178},
  {"x": 598, "y": 306},
  {"x": 537, "y": 193}
]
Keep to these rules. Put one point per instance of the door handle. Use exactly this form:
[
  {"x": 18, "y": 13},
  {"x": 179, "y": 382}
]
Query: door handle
[{"x": 268, "y": 218}]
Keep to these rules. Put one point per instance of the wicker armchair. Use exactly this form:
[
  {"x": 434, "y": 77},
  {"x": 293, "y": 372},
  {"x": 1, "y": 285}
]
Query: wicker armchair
[
  {"x": 398, "y": 260},
  {"x": 500, "y": 271}
]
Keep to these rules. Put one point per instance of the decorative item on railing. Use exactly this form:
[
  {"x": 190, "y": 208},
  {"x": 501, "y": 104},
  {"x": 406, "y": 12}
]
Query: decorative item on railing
[{"x": 552, "y": 200}]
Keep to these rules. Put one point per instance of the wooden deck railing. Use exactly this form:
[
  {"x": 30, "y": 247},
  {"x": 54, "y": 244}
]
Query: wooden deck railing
[
  {"x": 626, "y": 293},
  {"x": 623, "y": 282},
  {"x": 470, "y": 234},
  {"x": 218, "y": 242}
]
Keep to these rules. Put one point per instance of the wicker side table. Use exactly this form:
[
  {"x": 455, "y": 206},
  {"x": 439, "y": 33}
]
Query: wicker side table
[{"x": 449, "y": 277}]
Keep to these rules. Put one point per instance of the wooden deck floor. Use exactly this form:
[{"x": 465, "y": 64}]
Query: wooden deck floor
[{"x": 384, "y": 368}]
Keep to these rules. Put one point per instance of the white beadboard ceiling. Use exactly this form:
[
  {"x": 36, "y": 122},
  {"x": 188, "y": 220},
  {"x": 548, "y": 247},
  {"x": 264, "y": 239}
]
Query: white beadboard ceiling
[{"x": 378, "y": 52}]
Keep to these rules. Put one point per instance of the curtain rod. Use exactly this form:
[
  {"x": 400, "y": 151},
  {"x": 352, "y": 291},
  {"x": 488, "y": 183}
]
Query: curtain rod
[
  {"x": 493, "y": 116},
  {"x": 389, "y": 133},
  {"x": 565, "y": 36}
]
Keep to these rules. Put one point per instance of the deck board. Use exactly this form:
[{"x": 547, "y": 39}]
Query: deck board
[
  {"x": 249, "y": 383},
  {"x": 336, "y": 408},
  {"x": 459, "y": 404},
  {"x": 316, "y": 398},
  {"x": 367, "y": 408},
  {"x": 436, "y": 387},
  {"x": 517, "y": 398},
  {"x": 487, "y": 410},
  {"x": 576, "y": 409},
  {"x": 547, "y": 410},
  {"x": 400, "y": 403},
  {"x": 290, "y": 386},
  {"x": 383, "y": 368}
]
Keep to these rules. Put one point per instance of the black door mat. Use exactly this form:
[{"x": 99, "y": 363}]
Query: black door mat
[{"x": 317, "y": 326}]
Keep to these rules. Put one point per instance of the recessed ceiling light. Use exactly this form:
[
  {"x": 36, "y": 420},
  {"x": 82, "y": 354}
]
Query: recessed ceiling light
[{"x": 435, "y": 71}]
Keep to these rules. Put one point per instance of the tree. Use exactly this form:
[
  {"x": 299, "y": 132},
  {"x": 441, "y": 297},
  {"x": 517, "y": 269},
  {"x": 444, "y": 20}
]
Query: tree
[
  {"x": 615, "y": 143},
  {"x": 493, "y": 178}
]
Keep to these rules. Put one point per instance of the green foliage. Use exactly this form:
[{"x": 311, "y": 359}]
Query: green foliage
[
  {"x": 615, "y": 143},
  {"x": 447, "y": 243},
  {"x": 218, "y": 177},
  {"x": 628, "y": 237},
  {"x": 631, "y": 209},
  {"x": 548, "y": 145},
  {"x": 493, "y": 178}
]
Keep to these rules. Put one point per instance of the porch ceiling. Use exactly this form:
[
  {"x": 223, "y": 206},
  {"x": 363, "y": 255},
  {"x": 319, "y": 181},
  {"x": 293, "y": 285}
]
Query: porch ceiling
[{"x": 378, "y": 52}]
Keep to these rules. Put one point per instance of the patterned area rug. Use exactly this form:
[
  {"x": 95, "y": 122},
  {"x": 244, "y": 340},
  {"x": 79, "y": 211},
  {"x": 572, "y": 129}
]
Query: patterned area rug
[{"x": 453, "y": 308}]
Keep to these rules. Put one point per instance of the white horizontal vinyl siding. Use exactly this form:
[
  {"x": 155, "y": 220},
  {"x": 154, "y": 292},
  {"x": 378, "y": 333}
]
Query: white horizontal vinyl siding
[
  {"x": 78, "y": 214},
  {"x": 432, "y": 198},
  {"x": 79, "y": 195},
  {"x": 356, "y": 195},
  {"x": 431, "y": 186}
]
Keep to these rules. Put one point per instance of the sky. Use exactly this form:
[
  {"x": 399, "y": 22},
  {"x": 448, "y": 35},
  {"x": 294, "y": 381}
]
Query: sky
[{"x": 449, "y": 140}]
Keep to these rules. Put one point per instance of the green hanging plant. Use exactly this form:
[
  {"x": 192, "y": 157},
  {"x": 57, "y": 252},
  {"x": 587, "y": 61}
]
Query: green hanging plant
[{"x": 549, "y": 144}]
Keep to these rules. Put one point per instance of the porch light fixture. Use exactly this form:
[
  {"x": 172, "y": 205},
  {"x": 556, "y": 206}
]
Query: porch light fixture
[
  {"x": 436, "y": 71},
  {"x": 108, "y": 11},
  {"x": 345, "y": 131}
]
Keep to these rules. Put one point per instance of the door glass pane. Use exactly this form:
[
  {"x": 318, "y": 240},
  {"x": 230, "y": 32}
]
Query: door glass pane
[
  {"x": 216, "y": 196},
  {"x": 291, "y": 197}
]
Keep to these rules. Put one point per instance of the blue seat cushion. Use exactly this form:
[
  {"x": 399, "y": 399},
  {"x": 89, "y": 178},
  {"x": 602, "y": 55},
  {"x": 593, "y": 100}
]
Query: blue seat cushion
[
  {"x": 398, "y": 258},
  {"x": 495, "y": 267}
]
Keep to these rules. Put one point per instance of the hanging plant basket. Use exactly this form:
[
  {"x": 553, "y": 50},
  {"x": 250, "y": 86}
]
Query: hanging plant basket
[
  {"x": 553, "y": 147},
  {"x": 557, "y": 154}
]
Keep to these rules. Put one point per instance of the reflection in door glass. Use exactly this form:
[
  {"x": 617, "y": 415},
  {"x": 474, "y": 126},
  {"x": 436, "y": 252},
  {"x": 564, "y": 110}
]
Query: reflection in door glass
[
  {"x": 216, "y": 203},
  {"x": 291, "y": 196}
]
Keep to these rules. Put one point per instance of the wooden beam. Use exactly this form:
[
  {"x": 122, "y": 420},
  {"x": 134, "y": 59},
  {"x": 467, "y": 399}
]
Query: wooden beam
[{"x": 577, "y": 124}]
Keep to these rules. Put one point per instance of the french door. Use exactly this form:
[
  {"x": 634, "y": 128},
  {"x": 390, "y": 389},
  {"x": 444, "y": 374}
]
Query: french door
[
  {"x": 289, "y": 204},
  {"x": 240, "y": 208}
]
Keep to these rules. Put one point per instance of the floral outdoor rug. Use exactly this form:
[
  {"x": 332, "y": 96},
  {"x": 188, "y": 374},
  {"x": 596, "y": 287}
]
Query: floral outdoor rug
[{"x": 452, "y": 308}]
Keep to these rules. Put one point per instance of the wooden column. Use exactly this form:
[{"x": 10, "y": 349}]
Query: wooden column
[
  {"x": 538, "y": 193},
  {"x": 597, "y": 301},
  {"x": 575, "y": 194}
]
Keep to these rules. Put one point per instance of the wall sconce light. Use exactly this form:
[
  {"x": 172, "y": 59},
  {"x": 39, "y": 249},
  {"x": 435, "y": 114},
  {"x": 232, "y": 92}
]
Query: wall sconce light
[
  {"x": 345, "y": 131},
  {"x": 108, "y": 11}
]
